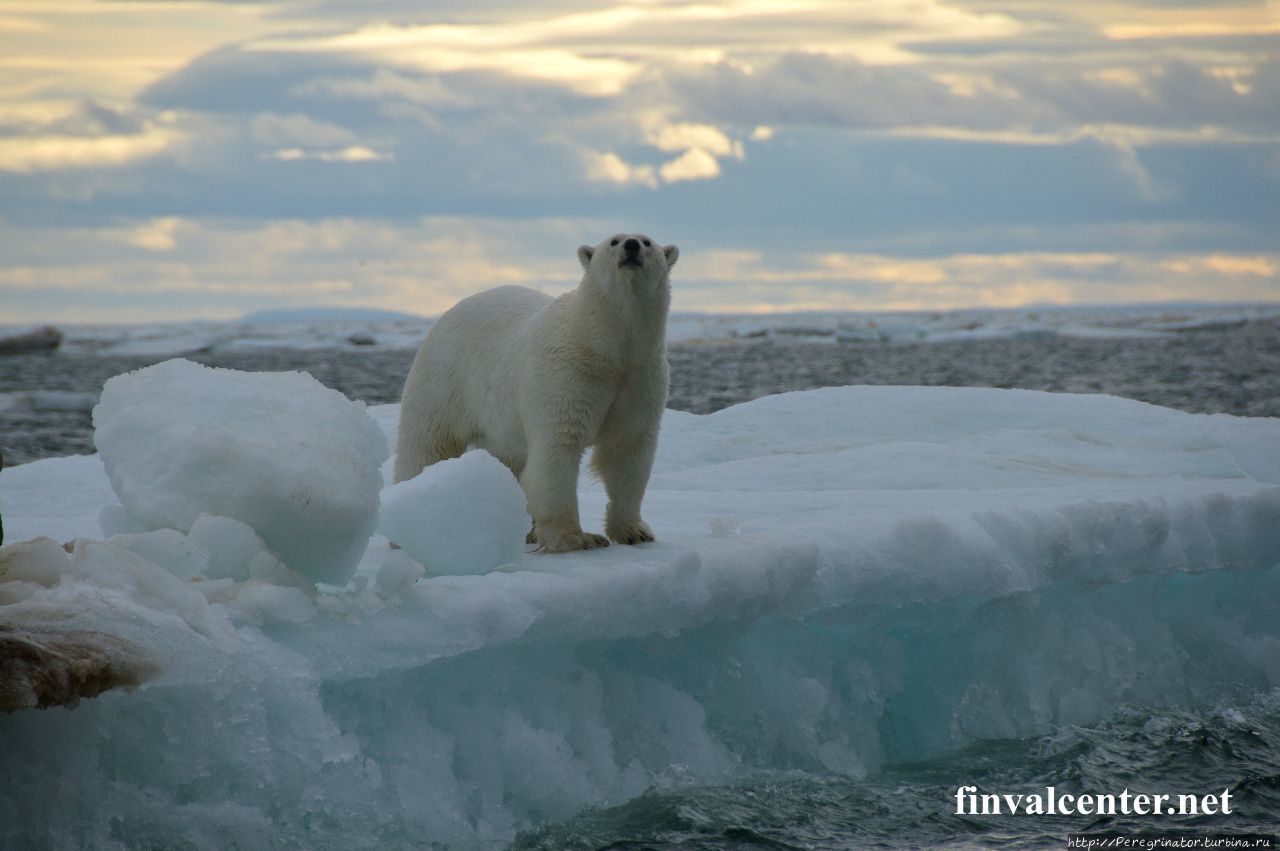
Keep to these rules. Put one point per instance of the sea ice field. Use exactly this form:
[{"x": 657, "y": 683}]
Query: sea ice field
[
  {"x": 859, "y": 597},
  {"x": 375, "y": 330},
  {"x": 1201, "y": 358}
]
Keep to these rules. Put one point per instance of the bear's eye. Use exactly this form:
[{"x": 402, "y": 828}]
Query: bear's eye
[
  {"x": 615, "y": 242},
  {"x": 647, "y": 243}
]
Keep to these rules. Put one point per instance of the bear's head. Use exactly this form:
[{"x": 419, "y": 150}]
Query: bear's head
[{"x": 629, "y": 260}]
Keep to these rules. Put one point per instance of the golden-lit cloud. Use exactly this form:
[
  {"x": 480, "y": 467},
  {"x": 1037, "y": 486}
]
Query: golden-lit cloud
[
  {"x": 56, "y": 152},
  {"x": 848, "y": 281},
  {"x": 110, "y": 49},
  {"x": 1254, "y": 19},
  {"x": 608, "y": 167},
  {"x": 693, "y": 164},
  {"x": 522, "y": 49},
  {"x": 227, "y": 268},
  {"x": 155, "y": 235},
  {"x": 601, "y": 52},
  {"x": 687, "y": 136},
  {"x": 349, "y": 154}
]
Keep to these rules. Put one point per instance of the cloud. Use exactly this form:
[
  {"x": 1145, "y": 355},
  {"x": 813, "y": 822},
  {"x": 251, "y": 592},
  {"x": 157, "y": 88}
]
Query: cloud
[
  {"x": 270, "y": 128},
  {"x": 846, "y": 281},
  {"x": 608, "y": 167},
  {"x": 804, "y": 89},
  {"x": 31, "y": 153},
  {"x": 1198, "y": 21},
  {"x": 43, "y": 136},
  {"x": 1029, "y": 99},
  {"x": 16, "y": 24},
  {"x": 386, "y": 85},
  {"x": 349, "y": 154},
  {"x": 172, "y": 268},
  {"x": 600, "y": 51},
  {"x": 693, "y": 164},
  {"x": 689, "y": 136},
  {"x": 518, "y": 49},
  {"x": 155, "y": 235},
  {"x": 110, "y": 49}
]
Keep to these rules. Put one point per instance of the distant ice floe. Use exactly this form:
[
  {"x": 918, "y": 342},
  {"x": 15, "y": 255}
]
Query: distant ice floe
[
  {"x": 843, "y": 578},
  {"x": 965, "y": 325},
  {"x": 322, "y": 331},
  {"x": 48, "y": 400}
]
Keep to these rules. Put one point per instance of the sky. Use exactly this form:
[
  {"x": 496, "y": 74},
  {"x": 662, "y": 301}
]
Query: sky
[{"x": 168, "y": 160}]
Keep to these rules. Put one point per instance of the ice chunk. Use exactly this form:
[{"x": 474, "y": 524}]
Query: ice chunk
[
  {"x": 59, "y": 498},
  {"x": 396, "y": 572},
  {"x": 464, "y": 515},
  {"x": 168, "y": 548},
  {"x": 40, "y": 560},
  {"x": 280, "y": 452},
  {"x": 232, "y": 546}
]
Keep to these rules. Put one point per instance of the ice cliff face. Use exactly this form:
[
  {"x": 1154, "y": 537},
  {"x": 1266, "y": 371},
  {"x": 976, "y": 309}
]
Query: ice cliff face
[{"x": 843, "y": 577}]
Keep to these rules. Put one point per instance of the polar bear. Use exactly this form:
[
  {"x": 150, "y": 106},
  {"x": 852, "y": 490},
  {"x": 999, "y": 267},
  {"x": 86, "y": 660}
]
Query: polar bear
[{"x": 536, "y": 380}]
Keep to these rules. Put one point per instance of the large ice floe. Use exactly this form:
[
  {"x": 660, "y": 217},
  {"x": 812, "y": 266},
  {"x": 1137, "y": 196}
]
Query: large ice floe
[{"x": 844, "y": 578}]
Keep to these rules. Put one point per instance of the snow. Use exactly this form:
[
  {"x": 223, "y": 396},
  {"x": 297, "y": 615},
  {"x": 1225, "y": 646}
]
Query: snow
[
  {"x": 296, "y": 461},
  {"x": 465, "y": 515},
  {"x": 843, "y": 578}
]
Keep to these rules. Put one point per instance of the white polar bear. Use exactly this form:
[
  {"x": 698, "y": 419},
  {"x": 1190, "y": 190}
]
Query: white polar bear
[{"x": 536, "y": 380}]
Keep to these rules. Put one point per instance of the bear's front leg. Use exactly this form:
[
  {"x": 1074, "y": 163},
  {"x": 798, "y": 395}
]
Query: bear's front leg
[
  {"x": 550, "y": 482},
  {"x": 624, "y": 463}
]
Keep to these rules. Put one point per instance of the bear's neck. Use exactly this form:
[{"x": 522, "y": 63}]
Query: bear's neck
[{"x": 622, "y": 327}]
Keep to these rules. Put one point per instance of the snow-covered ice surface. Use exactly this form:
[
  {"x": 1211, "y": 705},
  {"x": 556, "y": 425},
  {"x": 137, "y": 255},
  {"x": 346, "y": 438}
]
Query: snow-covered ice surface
[{"x": 844, "y": 578}]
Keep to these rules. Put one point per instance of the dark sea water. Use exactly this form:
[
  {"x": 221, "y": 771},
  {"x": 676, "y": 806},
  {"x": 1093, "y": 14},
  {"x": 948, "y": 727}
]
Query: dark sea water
[{"x": 1233, "y": 746}]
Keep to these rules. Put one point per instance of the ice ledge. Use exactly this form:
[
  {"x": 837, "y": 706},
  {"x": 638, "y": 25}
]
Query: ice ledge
[{"x": 844, "y": 577}]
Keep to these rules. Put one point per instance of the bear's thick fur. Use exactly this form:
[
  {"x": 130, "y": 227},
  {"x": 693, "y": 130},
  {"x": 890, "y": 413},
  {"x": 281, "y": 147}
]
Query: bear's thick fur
[{"x": 536, "y": 380}]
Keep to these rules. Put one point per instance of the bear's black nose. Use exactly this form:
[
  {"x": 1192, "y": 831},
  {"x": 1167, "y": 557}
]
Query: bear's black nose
[{"x": 632, "y": 246}]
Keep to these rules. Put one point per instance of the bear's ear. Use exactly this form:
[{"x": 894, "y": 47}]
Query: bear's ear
[
  {"x": 584, "y": 255},
  {"x": 671, "y": 253}
]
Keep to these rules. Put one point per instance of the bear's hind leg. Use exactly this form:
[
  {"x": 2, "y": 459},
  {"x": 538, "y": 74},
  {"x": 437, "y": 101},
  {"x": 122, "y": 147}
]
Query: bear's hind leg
[{"x": 417, "y": 449}]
